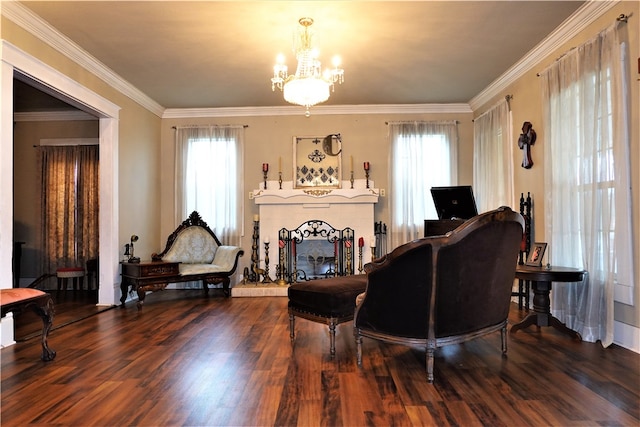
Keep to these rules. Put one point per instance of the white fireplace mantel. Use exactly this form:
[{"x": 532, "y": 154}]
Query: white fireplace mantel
[
  {"x": 292, "y": 207},
  {"x": 273, "y": 195}
]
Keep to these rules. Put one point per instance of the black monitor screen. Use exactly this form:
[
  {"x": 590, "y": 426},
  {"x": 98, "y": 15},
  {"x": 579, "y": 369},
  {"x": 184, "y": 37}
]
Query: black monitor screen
[{"x": 454, "y": 202}]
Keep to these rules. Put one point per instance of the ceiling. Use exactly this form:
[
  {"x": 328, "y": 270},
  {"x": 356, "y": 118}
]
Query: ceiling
[{"x": 207, "y": 54}]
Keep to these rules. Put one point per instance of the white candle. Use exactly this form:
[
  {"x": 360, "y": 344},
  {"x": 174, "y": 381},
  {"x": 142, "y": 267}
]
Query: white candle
[
  {"x": 279, "y": 164},
  {"x": 256, "y": 218},
  {"x": 373, "y": 241},
  {"x": 266, "y": 239},
  {"x": 351, "y": 163}
]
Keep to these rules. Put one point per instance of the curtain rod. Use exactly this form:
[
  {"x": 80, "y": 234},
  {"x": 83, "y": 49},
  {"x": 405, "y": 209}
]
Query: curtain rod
[
  {"x": 216, "y": 126},
  {"x": 507, "y": 99},
  {"x": 421, "y": 121},
  {"x": 621, "y": 18}
]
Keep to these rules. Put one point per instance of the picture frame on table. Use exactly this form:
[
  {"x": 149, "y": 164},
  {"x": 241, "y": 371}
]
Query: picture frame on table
[{"x": 536, "y": 254}]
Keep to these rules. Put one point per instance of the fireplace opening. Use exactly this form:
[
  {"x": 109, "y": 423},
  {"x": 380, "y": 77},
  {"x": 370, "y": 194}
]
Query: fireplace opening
[{"x": 315, "y": 250}]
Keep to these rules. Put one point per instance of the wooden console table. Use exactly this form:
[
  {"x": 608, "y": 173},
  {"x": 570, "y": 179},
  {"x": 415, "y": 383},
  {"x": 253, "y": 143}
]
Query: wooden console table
[
  {"x": 541, "y": 278},
  {"x": 147, "y": 276}
]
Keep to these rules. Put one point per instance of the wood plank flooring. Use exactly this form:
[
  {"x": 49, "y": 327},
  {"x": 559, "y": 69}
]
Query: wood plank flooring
[
  {"x": 189, "y": 360},
  {"x": 71, "y": 306}
]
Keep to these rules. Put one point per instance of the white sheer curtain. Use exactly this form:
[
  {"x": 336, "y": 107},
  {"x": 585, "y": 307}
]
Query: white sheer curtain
[
  {"x": 493, "y": 158},
  {"x": 423, "y": 155},
  {"x": 209, "y": 178},
  {"x": 587, "y": 183}
]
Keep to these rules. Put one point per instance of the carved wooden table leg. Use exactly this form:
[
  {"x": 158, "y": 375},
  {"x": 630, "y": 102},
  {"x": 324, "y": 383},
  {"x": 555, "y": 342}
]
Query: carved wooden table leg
[
  {"x": 46, "y": 312},
  {"x": 17, "y": 300}
]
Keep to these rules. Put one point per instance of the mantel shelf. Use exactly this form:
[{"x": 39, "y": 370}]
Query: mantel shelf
[{"x": 315, "y": 195}]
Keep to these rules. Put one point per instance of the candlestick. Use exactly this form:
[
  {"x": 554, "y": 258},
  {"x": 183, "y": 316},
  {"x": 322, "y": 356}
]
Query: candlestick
[
  {"x": 366, "y": 172},
  {"x": 352, "y": 180},
  {"x": 294, "y": 278},
  {"x": 360, "y": 257},
  {"x": 280, "y": 270},
  {"x": 265, "y": 170},
  {"x": 254, "y": 250},
  {"x": 335, "y": 257},
  {"x": 266, "y": 278},
  {"x": 280, "y": 180}
]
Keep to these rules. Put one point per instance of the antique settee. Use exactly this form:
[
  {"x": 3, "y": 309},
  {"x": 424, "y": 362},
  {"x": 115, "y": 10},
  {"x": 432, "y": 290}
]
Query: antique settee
[
  {"x": 443, "y": 290},
  {"x": 197, "y": 255}
]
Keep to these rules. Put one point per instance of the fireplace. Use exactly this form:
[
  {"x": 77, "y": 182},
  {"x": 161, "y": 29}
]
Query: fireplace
[
  {"x": 285, "y": 207},
  {"x": 316, "y": 250}
]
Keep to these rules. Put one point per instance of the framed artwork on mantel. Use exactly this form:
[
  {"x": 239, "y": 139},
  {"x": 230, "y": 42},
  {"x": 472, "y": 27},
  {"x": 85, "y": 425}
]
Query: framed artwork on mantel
[{"x": 317, "y": 161}]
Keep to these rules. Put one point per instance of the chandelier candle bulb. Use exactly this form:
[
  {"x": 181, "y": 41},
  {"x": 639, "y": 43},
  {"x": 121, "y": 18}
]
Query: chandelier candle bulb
[
  {"x": 366, "y": 166},
  {"x": 266, "y": 239},
  {"x": 256, "y": 218},
  {"x": 265, "y": 167}
]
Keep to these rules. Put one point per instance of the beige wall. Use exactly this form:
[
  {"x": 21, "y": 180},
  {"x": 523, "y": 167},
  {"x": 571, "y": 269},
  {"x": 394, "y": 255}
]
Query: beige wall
[
  {"x": 267, "y": 138},
  {"x": 138, "y": 194},
  {"x": 527, "y": 106}
]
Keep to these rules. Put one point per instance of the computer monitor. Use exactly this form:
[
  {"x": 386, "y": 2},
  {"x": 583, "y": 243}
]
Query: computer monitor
[{"x": 454, "y": 202}]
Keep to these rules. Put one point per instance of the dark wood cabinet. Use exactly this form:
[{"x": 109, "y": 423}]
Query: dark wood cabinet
[
  {"x": 440, "y": 227},
  {"x": 147, "y": 276}
]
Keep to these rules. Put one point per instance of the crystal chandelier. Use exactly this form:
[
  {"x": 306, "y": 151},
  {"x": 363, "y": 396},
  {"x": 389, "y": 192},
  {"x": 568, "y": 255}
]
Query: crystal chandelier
[{"x": 309, "y": 86}]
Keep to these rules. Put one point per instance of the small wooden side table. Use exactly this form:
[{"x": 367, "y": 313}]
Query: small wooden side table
[
  {"x": 147, "y": 276},
  {"x": 541, "y": 278}
]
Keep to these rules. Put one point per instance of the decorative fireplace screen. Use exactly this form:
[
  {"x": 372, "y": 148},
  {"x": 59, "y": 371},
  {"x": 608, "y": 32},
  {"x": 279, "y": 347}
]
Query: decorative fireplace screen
[{"x": 315, "y": 250}]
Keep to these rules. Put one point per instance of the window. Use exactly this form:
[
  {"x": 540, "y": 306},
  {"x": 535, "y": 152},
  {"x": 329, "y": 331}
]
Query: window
[
  {"x": 587, "y": 181},
  {"x": 69, "y": 203},
  {"x": 423, "y": 155},
  {"x": 492, "y": 158},
  {"x": 209, "y": 171}
]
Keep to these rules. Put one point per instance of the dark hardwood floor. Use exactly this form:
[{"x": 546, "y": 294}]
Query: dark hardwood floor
[
  {"x": 190, "y": 360},
  {"x": 70, "y": 306}
]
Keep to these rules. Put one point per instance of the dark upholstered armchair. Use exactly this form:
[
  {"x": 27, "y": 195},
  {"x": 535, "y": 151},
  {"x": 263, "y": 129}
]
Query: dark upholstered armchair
[{"x": 443, "y": 290}]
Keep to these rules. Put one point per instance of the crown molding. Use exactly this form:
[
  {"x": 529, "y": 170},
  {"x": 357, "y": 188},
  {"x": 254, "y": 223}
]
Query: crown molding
[
  {"x": 577, "y": 22},
  {"x": 180, "y": 113},
  {"x": 41, "y": 29},
  {"x": 32, "y": 23},
  {"x": 35, "y": 25}
]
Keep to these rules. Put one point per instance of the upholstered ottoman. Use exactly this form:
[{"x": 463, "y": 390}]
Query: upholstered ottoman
[
  {"x": 66, "y": 273},
  {"x": 331, "y": 301}
]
